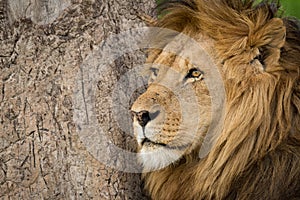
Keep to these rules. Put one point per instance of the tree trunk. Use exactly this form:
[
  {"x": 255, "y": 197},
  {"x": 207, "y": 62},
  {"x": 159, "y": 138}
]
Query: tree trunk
[{"x": 43, "y": 47}]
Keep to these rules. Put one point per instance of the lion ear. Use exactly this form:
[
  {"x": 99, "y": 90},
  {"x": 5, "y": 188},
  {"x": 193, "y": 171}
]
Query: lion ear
[{"x": 269, "y": 40}]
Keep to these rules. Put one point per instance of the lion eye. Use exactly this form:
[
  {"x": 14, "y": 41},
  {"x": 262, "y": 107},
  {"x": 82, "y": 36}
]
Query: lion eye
[
  {"x": 194, "y": 73},
  {"x": 154, "y": 71}
]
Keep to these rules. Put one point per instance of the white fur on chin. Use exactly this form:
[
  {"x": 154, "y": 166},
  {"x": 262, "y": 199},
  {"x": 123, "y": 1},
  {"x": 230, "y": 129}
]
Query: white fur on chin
[{"x": 158, "y": 158}]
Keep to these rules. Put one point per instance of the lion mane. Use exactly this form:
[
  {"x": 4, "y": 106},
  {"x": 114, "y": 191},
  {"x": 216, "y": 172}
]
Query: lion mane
[{"x": 257, "y": 155}]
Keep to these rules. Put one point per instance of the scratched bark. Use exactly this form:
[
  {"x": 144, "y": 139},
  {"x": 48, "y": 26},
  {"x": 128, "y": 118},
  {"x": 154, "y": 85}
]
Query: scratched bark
[{"x": 42, "y": 46}]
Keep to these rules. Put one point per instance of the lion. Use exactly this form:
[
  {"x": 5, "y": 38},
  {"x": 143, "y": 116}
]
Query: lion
[{"x": 256, "y": 155}]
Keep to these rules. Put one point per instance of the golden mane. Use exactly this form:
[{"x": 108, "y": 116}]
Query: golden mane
[{"x": 260, "y": 142}]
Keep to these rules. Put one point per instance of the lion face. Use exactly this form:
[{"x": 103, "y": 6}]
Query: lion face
[{"x": 173, "y": 115}]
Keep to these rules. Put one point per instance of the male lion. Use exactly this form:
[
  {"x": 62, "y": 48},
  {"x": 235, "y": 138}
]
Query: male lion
[{"x": 257, "y": 153}]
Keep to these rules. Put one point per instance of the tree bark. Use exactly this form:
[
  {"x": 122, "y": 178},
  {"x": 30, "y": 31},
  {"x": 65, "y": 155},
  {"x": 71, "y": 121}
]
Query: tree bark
[{"x": 43, "y": 45}]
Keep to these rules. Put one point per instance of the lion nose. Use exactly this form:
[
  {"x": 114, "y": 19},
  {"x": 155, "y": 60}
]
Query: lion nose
[{"x": 144, "y": 116}]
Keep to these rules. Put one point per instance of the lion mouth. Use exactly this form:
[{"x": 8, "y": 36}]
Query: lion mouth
[{"x": 147, "y": 141}]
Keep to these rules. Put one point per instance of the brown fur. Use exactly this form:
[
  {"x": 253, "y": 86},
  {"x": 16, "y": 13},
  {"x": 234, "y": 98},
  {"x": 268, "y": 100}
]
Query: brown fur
[{"x": 258, "y": 153}]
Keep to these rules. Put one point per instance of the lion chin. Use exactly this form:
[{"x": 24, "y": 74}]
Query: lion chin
[
  {"x": 256, "y": 155},
  {"x": 158, "y": 158}
]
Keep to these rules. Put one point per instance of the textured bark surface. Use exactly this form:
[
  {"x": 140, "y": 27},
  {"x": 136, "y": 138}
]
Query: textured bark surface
[{"x": 42, "y": 45}]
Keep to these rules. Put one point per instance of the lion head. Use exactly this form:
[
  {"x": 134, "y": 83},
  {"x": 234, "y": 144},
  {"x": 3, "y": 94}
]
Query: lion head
[
  {"x": 167, "y": 116},
  {"x": 256, "y": 155}
]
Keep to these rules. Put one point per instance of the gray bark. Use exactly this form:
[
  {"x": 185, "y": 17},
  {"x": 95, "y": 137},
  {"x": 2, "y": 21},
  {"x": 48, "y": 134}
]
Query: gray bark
[{"x": 43, "y": 44}]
